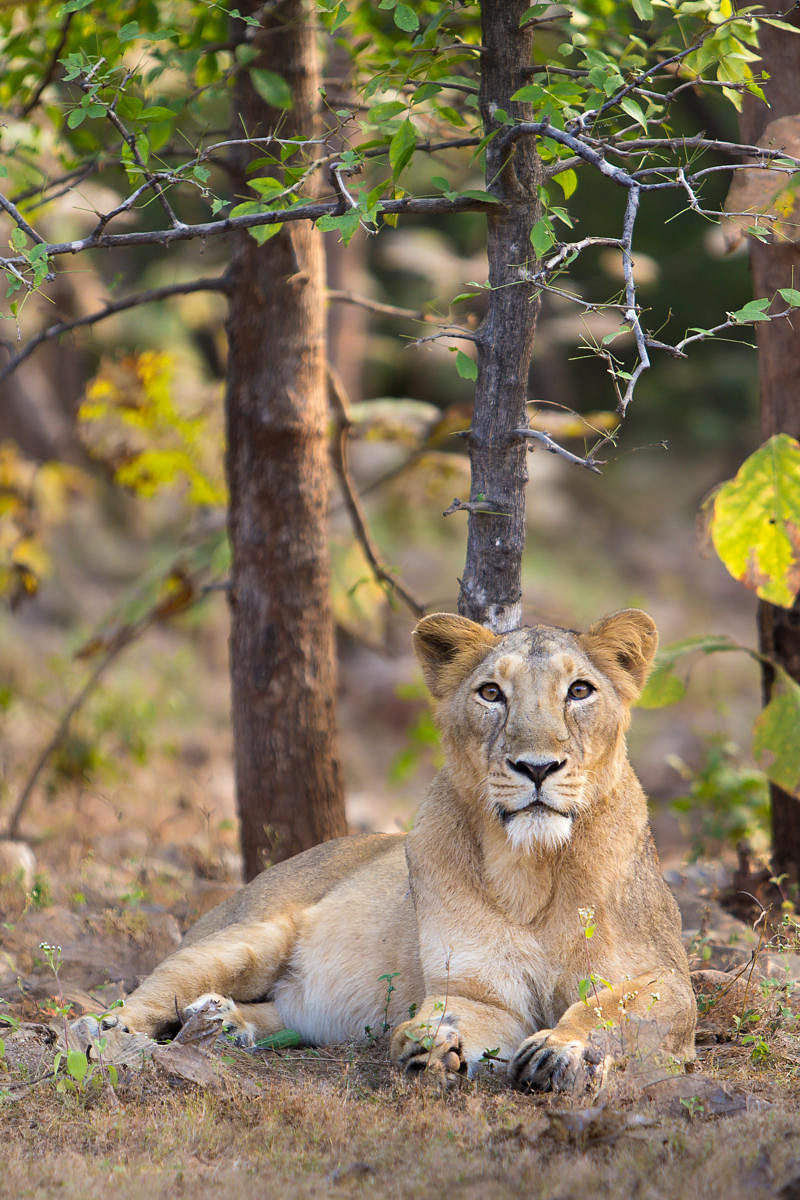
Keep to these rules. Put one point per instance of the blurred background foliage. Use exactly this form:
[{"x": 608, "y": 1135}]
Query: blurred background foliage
[{"x": 111, "y": 477}]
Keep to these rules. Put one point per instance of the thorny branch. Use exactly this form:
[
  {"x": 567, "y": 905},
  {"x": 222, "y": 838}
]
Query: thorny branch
[
  {"x": 538, "y": 435},
  {"x": 576, "y": 138}
]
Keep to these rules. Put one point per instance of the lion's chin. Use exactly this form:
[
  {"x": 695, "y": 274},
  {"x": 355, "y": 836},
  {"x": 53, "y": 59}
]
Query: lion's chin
[{"x": 537, "y": 828}]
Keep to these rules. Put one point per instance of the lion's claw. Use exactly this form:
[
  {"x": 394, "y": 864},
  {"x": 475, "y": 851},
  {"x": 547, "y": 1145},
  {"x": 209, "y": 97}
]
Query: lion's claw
[{"x": 544, "y": 1063}]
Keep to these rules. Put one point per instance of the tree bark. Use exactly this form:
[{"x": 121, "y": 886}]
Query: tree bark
[
  {"x": 283, "y": 675},
  {"x": 491, "y": 587},
  {"x": 775, "y": 265}
]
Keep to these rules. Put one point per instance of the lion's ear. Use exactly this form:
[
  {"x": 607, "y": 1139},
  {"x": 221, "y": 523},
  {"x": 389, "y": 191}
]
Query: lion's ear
[
  {"x": 448, "y": 647},
  {"x": 623, "y": 645}
]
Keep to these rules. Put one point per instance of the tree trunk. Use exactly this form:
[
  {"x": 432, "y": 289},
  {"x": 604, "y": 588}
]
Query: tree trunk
[
  {"x": 776, "y": 265},
  {"x": 283, "y": 675},
  {"x": 491, "y": 587}
]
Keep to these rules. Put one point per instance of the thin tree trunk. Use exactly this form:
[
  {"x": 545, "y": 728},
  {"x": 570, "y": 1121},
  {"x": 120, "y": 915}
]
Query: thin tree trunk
[
  {"x": 491, "y": 587},
  {"x": 776, "y": 265},
  {"x": 283, "y": 675}
]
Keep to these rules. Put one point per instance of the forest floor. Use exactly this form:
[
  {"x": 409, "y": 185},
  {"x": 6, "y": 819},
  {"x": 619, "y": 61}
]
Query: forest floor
[{"x": 134, "y": 835}]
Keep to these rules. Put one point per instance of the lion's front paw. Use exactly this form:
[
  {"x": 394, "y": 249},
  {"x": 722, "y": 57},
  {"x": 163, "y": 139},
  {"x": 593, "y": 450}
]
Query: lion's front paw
[
  {"x": 547, "y": 1062},
  {"x": 222, "y": 1009},
  {"x": 436, "y": 1047}
]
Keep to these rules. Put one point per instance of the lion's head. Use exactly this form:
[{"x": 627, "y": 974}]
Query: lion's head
[{"x": 533, "y": 721}]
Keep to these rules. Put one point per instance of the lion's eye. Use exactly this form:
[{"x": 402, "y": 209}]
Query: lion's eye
[
  {"x": 580, "y": 690},
  {"x": 491, "y": 693}
]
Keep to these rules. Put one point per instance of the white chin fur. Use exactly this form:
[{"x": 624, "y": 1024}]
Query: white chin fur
[{"x": 543, "y": 828}]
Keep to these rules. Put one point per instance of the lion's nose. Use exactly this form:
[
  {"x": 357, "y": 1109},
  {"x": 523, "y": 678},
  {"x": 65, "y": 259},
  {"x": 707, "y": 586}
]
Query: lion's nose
[{"x": 536, "y": 771}]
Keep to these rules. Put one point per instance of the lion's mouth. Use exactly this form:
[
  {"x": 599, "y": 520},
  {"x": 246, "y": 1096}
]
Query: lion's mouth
[{"x": 508, "y": 814}]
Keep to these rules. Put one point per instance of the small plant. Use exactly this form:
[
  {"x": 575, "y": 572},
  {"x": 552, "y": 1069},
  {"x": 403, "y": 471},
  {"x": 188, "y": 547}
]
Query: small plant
[
  {"x": 40, "y": 896},
  {"x": 389, "y": 989},
  {"x": 693, "y": 1105},
  {"x": 726, "y": 801},
  {"x": 79, "y": 1072}
]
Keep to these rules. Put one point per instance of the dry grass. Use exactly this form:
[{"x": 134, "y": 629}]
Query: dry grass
[{"x": 341, "y": 1122}]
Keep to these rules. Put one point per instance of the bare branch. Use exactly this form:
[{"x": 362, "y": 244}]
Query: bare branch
[
  {"x": 589, "y": 462},
  {"x": 352, "y": 502},
  {"x": 376, "y": 306},
  {"x": 421, "y": 206},
  {"x": 219, "y": 284},
  {"x": 632, "y": 308},
  {"x": 452, "y": 331}
]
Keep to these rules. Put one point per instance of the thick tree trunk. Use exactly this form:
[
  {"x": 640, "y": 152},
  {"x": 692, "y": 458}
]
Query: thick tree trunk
[
  {"x": 282, "y": 647},
  {"x": 776, "y": 265},
  {"x": 491, "y": 587}
]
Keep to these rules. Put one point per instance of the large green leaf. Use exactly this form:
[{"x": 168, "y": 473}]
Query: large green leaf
[
  {"x": 755, "y": 524},
  {"x": 776, "y": 737}
]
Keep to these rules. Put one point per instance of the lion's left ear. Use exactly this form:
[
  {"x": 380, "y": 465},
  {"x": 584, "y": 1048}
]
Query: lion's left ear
[
  {"x": 448, "y": 647},
  {"x": 623, "y": 645}
]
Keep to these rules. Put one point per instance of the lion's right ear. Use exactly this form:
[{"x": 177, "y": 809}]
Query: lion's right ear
[{"x": 448, "y": 647}]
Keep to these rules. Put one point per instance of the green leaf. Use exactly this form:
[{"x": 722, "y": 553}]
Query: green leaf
[
  {"x": 754, "y": 310},
  {"x": 129, "y": 31},
  {"x": 567, "y": 181},
  {"x": 271, "y": 87},
  {"x": 663, "y": 687},
  {"x": 643, "y": 9},
  {"x": 157, "y": 112},
  {"x": 477, "y": 194},
  {"x": 790, "y": 295},
  {"x": 531, "y": 91},
  {"x": 77, "y": 1064},
  {"x": 776, "y": 737},
  {"x": 346, "y": 225},
  {"x": 402, "y": 146},
  {"x": 466, "y": 366},
  {"x": 542, "y": 237},
  {"x": 532, "y": 13},
  {"x": 18, "y": 239},
  {"x": 755, "y": 525},
  {"x": 129, "y": 107},
  {"x": 262, "y": 233},
  {"x": 629, "y": 105},
  {"x": 76, "y": 118},
  {"x": 406, "y": 19}
]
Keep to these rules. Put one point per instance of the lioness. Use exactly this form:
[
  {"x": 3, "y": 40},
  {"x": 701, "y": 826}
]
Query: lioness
[{"x": 477, "y": 917}]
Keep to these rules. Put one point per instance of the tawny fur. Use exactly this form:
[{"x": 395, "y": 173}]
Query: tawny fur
[{"x": 476, "y": 914}]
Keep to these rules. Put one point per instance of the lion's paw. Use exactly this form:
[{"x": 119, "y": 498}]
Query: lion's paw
[
  {"x": 222, "y": 1009},
  {"x": 547, "y": 1062},
  {"x": 435, "y": 1048}
]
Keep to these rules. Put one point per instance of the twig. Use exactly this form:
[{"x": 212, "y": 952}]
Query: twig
[
  {"x": 632, "y": 310},
  {"x": 130, "y": 141},
  {"x": 474, "y": 506},
  {"x": 416, "y": 205},
  {"x": 589, "y": 462},
  {"x": 123, "y": 639},
  {"x": 376, "y": 306},
  {"x": 352, "y": 502},
  {"x": 169, "y": 606},
  {"x": 218, "y": 284}
]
